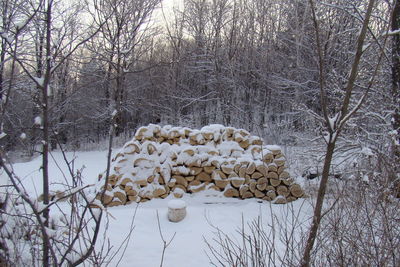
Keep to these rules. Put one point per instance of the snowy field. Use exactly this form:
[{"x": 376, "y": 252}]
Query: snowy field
[{"x": 205, "y": 213}]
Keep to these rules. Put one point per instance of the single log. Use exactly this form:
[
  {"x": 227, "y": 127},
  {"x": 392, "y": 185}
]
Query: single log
[
  {"x": 247, "y": 194},
  {"x": 253, "y": 185},
  {"x": 158, "y": 192},
  {"x": 209, "y": 169},
  {"x": 272, "y": 167},
  {"x": 221, "y": 183},
  {"x": 114, "y": 203},
  {"x": 261, "y": 187},
  {"x": 242, "y": 172},
  {"x": 262, "y": 169},
  {"x": 268, "y": 157},
  {"x": 217, "y": 174},
  {"x": 258, "y": 194},
  {"x": 287, "y": 181},
  {"x": 179, "y": 186},
  {"x": 251, "y": 168},
  {"x": 282, "y": 190},
  {"x": 281, "y": 169},
  {"x": 262, "y": 180},
  {"x": 180, "y": 180},
  {"x": 176, "y": 210},
  {"x": 244, "y": 144},
  {"x": 237, "y": 182},
  {"x": 280, "y": 200},
  {"x": 272, "y": 175},
  {"x": 171, "y": 183},
  {"x": 133, "y": 198},
  {"x": 151, "y": 149},
  {"x": 256, "y": 175},
  {"x": 290, "y": 199},
  {"x": 284, "y": 175},
  {"x": 231, "y": 192},
  {"x": 190, "y": 178},
  {"x": 150, "y": 179},
  {"x": 275, "y": 182},
  {"x": 271, "y": 194},
  {"x": 227, "y": 170},
  {"x": 203, "y": 177},
  {"x": 189, "y": 151},
  {"x": 279, "y": 162},
  {"x": 131, "y": 192},
  {"x": 141, "y": 182},
  {"x": 243, "y": 189},
  {"x": 197, "y": 188},
  {"x": 296, "y": 190},
  {"x": 195, "y": 170}
]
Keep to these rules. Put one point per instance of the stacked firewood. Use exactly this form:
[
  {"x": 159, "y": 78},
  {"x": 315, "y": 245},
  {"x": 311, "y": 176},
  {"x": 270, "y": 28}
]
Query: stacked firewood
[{"x": 160, "y": 161}]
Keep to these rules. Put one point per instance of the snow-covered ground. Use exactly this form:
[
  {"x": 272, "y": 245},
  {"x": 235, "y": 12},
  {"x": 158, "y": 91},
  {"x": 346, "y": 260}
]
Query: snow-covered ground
[{"x": 188, "y": 248}]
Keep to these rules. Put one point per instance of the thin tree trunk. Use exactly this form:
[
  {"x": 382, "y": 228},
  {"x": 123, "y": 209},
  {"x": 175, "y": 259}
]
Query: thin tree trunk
[
  {"x": 395, "y": 26},
  {"x": 45, "y": 141}
]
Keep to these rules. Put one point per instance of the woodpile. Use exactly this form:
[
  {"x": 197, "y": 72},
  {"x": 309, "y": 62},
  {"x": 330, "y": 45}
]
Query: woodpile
[{"x": 160, "y": 161}]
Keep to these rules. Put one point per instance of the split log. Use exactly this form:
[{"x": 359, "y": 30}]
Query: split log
[
  {"x": 244, "y": 144},
  {"x": 114, "y": 203},
  {"x": 251, "y": 168},
  {"x": 242, "y": 172},
  {"x": 131, "y": 192},
  {"x": 261, "y": 187},
  {"x": 279, "y": 162},
  {"x": 133, "y": 198},
  {"x": 141, "y": 182},
  {"x": 275, "y": 182},
  {"x": 150, "y": 179},
  {"x": 256, "y": 175},
  {"x": 180, "y": 180},
  {"x": 272, "y": 167},
  {"x": 271, "y": 194},
  {"x": 227, "y": 170},
  {"x": 217, "y": 174},
  {"x": 262, "y": 181},
  {"x": 190, "y": 178},
  {"x": 151, "y": 149},
  {"x": 287, "y": 181},
  {"x": 195, "y": 170},
  {"x": 179, "y": 186},
  {"x": 280, "y": 200},
  {"x": 209, "y": 169},
  {"x": 197, "y": 188},
  {"x": 257, "y": 142},
  {"x": 262, "y": 169},
  {"x": 158, "y": 192},
  {"x": 282, "y": 191},
  {"x": 272, "y": 175},
  {"x": 171, "y": 183},
  {"x": 284, "y": 175},
  {"x": 253, "y": 185},
  {"x": 243, "y": 189},
  {"x": 258, "y": 194},
  {"x": 231, "y": 192},
  {"x": 203, "y": 177},
  {"x": 247, "y": 194},
  {"x": 221, "y": 183},
  {"x": 237, "y": 182},
  {"x": 189, "y": 151}
]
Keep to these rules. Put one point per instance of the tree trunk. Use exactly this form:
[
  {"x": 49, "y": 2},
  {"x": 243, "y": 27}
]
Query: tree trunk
[{"x": 395, "y": 26}]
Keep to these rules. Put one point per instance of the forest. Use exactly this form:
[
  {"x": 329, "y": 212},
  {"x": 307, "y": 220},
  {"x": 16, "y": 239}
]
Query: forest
[{"x": 323, "y": 75}]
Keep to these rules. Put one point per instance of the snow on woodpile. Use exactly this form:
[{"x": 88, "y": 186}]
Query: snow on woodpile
[{"x": 160, "y": 161}]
